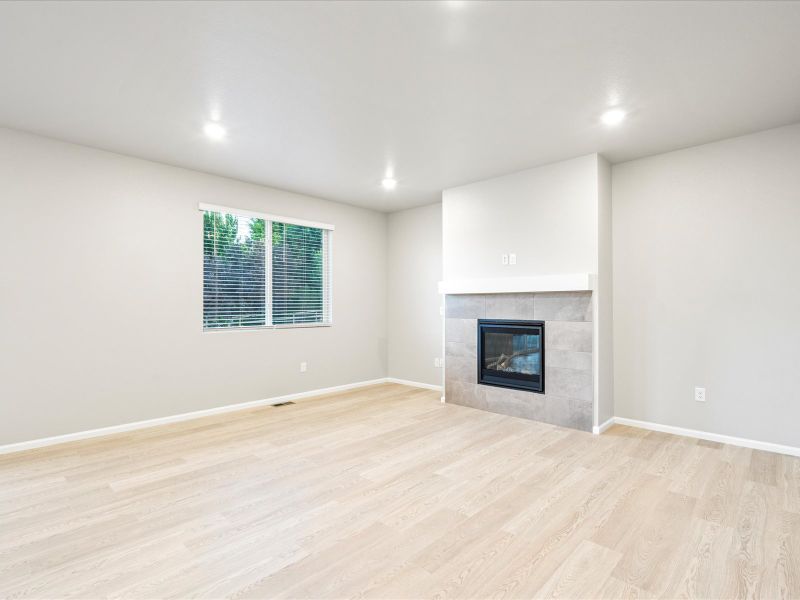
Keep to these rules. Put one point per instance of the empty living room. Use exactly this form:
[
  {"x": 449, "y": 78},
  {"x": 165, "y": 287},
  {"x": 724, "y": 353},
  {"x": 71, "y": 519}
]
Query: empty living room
[{"x": 403, "y": 299}]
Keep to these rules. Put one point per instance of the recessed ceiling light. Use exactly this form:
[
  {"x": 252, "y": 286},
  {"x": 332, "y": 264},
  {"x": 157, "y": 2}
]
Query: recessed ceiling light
[
  {"x": 612, "y": 117},
  {"x": 215, "y": 131},
  {"x": 389, "y": 183}
]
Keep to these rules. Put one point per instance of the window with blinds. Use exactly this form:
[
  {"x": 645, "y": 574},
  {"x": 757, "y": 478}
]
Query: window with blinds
[{"x": 261, "y": 271}]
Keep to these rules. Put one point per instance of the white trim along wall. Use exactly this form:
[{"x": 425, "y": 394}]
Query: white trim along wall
[
  {"x": 700, "y": 435},
  {"x": 104, "y": 431}
]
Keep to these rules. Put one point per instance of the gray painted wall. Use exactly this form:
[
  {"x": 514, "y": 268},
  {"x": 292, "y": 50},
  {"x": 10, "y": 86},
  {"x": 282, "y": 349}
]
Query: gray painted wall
[
  {"x": 604, "y": 299},
  {"x": 706, "y": 293},
  {"x": 101, "y": 300},
  {"x": 414, "y": 271},
  {"x": 547, "y": 216}
]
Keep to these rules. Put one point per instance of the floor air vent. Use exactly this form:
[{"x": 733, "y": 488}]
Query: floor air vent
[{"x": 282, "y": 404}]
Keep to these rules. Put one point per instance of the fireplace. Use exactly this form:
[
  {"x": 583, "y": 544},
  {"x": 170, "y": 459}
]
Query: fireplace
[{"x": 511, "y": 354}]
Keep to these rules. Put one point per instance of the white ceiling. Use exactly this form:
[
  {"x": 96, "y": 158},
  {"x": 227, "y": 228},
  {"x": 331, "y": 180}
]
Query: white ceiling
[{"x": 320, "y": 98}]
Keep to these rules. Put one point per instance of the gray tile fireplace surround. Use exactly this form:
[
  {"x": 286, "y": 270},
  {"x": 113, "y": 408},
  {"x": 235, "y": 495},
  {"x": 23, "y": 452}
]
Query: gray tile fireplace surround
[{"x": 568, "y": 396}]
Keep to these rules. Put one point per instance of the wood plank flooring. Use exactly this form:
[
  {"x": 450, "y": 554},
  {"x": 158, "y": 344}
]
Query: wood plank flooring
[{"x": 384, "y": 492}]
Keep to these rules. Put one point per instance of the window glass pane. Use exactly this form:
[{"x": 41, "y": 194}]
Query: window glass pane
[
  {"x": 234, "y": 275},
  {"x": 298, "y": 274}
]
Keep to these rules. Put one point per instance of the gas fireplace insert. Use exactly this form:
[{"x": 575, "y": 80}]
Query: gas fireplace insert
[{"x": 511, "y": 354}]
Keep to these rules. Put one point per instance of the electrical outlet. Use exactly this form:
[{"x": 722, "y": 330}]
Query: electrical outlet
[
  {"x": 303, "y": 367},
  {"x": 438, "y": 363},
  {"x": 512, "y": 259},
  {"x": 504, "y": 259},
  {"x": 700, "y": 394}
]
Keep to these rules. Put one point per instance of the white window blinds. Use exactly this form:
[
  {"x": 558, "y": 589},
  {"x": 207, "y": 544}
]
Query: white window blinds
[{"x": 260, "y": 271}]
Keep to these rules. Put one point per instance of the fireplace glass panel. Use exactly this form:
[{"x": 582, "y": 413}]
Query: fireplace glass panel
[{"x": 511, "y": 354}]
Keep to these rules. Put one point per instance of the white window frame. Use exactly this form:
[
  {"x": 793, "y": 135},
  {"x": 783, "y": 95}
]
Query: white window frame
[{"x": 327, "y": 267}]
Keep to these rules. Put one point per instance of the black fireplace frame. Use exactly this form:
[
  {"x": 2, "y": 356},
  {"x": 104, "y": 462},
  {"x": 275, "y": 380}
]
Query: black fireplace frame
[{"x": 506, "y": 380}]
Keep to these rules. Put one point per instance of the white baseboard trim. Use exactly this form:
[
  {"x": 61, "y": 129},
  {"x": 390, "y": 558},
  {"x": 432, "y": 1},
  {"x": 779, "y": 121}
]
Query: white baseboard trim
[
  {"x": 103, "y": 431},
  {"x": 712, "y": 437},
  {"x": 598, "y": 429},
  {"x": 419, "y": 384}
]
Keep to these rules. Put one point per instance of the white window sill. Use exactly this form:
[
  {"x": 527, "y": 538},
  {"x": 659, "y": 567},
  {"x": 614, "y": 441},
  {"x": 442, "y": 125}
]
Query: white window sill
[{"x": 260, "y": 327}]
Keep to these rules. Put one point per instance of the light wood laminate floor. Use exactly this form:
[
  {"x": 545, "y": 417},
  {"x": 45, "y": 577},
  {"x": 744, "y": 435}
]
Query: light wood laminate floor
[{"x": 385, "y": 492}]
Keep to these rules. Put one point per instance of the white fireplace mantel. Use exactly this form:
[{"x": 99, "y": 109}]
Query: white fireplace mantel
[{"x": 560, "y": 282}]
